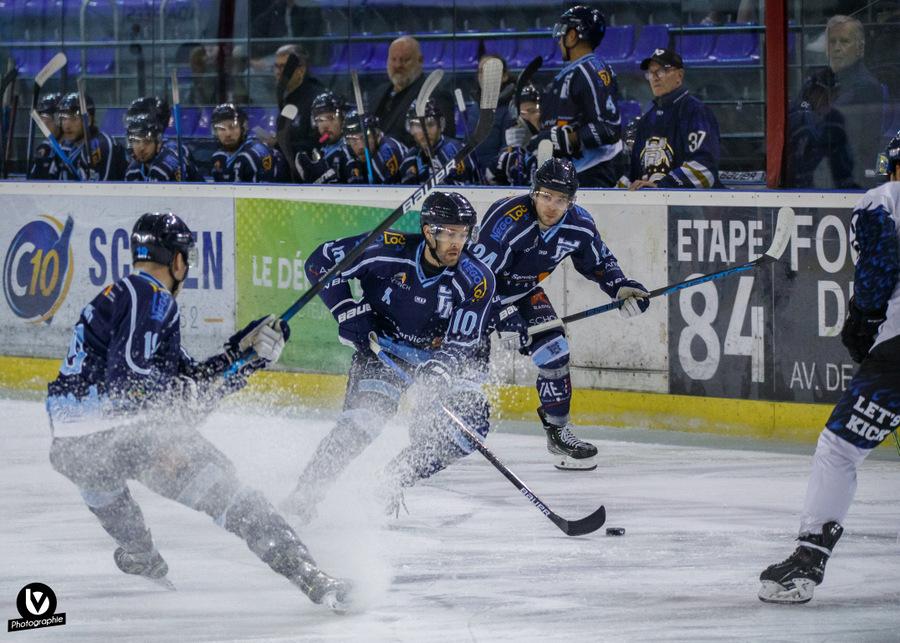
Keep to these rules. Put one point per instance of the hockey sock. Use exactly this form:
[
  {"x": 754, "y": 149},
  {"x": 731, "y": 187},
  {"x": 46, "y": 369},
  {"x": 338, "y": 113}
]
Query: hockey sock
[
  {"x": 121, "y": 517},
  {"x": 554, "y": 383}
]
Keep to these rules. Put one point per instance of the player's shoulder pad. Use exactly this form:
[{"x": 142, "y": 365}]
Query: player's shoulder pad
[
  {"x": 476, "y": 277},
  {"x": 581, "y": 216},
  {"x": 393, "y": 239},
  {"x": 151, "y": 297},
  {"x": 506, "y": 215}
]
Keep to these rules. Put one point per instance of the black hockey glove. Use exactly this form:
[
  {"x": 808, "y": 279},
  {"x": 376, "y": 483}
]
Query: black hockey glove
[
  {"x": 313, "y": 171},
  {"x": 565, "y": 140},
  {"x": 635, "y": 297},
  {"x": 355, "y": 322},
  {"x": 860, "y": 328},
  {"x": 510, "y": 320}
]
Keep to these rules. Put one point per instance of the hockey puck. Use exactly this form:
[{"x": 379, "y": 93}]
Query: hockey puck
[{"x": 615, "y": 531}]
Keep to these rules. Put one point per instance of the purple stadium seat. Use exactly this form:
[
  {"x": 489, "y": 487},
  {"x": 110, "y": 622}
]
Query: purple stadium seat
[
  {"x": 378, "y": 59},
  {"x": 112, "y": 121},
  {"x": 651, "y": 37},
  {"x": 360, "y": 53},
  {"x": 544, "y": 46},
  {"x": 617, "y": 44},
  {"x": 506, "y": 49},
  {"x": 465, "y": 52},
  {"x": 28, "y": 61},
  {"x": 696, "y": 49},
  {"x": 101, "y": 60},
  {"x": 433, "y": 54},
  {"x": 190, "y": 122},
  {"x": 337, "y": 59},
  {"x": 629, "y": 110},
  {"x": 737, "y": 48}
]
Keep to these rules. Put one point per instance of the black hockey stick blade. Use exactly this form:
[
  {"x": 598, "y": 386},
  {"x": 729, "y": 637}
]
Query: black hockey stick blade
[
  {"x": 581, "y": 527},
  {"x": 525, "y": 78},
  {"x": 283, "y": 136},
  {"x": 290, "y": 66}
]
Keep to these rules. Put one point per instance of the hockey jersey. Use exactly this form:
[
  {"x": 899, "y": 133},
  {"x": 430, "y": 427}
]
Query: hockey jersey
[
  {"x": 107, "y": 160},
  {"x": 585, "y": 96},
  {"x": 449, "y": 310},
  {"x": 191, "y": 172},
  {"x": 385, "y": 163},
  {"x": 676, "y": 144},
  {"x": 252, "y": 162},
  {"x": 875, "y": 236},
  {"x": 162, "y": 168},
  {"x": 43, "y": 166},
  {"x": 416, "y": 168},
  {"x": 512, "y": 245}
]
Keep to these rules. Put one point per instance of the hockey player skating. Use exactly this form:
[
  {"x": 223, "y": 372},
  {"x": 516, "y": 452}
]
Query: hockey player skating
[
  {"x": 126, "y": 404},
  {"x": 869, "y": 409},
  {"x": 579, "y": 111},
  {"x": 427, "y": 293},
  {"x": 523, "y": 239}
]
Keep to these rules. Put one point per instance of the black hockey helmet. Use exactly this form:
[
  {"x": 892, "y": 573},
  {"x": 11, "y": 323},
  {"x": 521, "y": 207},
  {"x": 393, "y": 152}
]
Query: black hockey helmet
[
  {"x": 154, "y": 105},
  {"x": 143, "y": 126},
  {"x": 447, "y": 208},
  {"x": 48, "y": 103},
  {"x": 889, "y": 159},
  {"x": 558, "y": 175},
  {"x": 326, "y": 103},
  {"x": 70, "y": 105},
  {"x": 159, "y": 236},
  {"x": 588, "y": 23},
  {"x": 432, "y": 111},
  {"x": 370, "y": 122},
  {"x": 529, "y": 94},
  {"x": 228, "y": 112}
]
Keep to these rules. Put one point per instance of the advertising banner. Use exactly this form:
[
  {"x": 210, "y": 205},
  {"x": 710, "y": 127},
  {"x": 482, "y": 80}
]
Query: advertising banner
[{"x": 59, "y": 252}]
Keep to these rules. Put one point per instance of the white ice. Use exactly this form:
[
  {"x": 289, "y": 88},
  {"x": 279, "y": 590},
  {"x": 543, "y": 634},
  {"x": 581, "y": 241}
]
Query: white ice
[{"x": 473, "y": 560}]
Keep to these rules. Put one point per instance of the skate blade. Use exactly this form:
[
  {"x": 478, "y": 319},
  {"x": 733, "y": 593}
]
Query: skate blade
[
  {"x": 333, "y": 602},
  {"x": 163, "y": 582},
  {"x": 772, "y": 592},
  {"x": 566, "y": 463}
]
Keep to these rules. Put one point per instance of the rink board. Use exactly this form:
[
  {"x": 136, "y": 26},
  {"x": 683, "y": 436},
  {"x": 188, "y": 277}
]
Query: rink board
[{"x": 761, "y": 349}]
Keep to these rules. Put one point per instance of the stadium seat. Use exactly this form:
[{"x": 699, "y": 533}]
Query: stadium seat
[
  {"x": 617, "y": 45},
  {"x": 650, "y": 38},
  {"x": 629, "y": 110},
  {"x": 465, "y": 52},
  {"x": 360, "y": 53},
  {"x": 28, "y": 61},
  {"x": 737, "y": 48},
  {"x": 433, "y": 54},
  {"x": 112, "y": 121},
  {"x": 506, "y": 49},
  {"x": 695, "y": 48}
]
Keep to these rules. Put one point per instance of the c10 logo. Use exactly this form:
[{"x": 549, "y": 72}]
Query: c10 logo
[
  {"x": 37, "y": 271},
  {"x": 700, "y": 326}
]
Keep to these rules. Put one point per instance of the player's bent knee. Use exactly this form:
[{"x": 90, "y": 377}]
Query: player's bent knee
[{"x": 551, "y": 352}]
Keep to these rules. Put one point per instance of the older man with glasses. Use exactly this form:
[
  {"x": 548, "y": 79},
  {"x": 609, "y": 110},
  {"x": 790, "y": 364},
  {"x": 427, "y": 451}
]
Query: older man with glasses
[{"x": 676, "y": 143}]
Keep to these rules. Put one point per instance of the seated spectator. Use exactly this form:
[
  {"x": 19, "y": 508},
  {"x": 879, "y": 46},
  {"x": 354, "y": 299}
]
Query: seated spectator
[
  {"x": 332, "y": 160},
  {"x": 98, "y": 158},
  {"x": 294, "y": 86},
  {"x": 839, "y": 116},
  {"x": 676, "y": 142},
  {"x": 44, "y": 166},
  {"x": 240, "y": 157},
  {"x": 151, "y": 161},
  {"x": 404, "y": 69},
  {"x": 385, "y": 152},
  {"x": 433, "y": 150}
]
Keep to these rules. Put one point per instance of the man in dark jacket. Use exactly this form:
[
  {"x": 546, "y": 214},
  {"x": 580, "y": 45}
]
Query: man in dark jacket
[
  {"x": 297, "y": 88},
  {"x": 392, "y": 101}
]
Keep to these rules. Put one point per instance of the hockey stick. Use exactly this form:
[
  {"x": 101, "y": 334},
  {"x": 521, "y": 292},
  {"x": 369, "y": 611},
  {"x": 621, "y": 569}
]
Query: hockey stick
[
  {"x": 85, "y": 126},
  {"x": 360, "y": 110},
  {"x": 290, "y": 66},
  {"x": 36, "y": 119},
  {"x": 425, "y": 92},
  {"x": 10, "y": 136},
  {"x": 544, "y": 152},
  {"x": 580, "y": 527},
  {"x": 56, "y": 63},
  {"x": 176, "y": 114},
  {"x": 461, "y": 106},
  {"x": 784, "y": 227},
  {"x": 525, "y": 78},
  {"x": 6, "y": 122},
  {"x": 283, "y": 136},
  {"x": 492, "y": 73}
]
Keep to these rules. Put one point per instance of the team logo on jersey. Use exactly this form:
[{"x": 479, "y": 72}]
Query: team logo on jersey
[
  {"x": 501, "y": 228},
  {"x": 565, "y": 247},
  {"x": 480, "y": 290},
  {"x": 267, "y": 163},
  {"x": 37, "y": 271},
  {"x": 444, "y": 302},
  {"x": 394, "y": 238},
  {"x": 400, "y": 277},
  {"x": 393, "y": 164},
  {"x": 605, "y": 78},
  {"x": 517, "y": 212},
  {"x": 657, "y": 156}
]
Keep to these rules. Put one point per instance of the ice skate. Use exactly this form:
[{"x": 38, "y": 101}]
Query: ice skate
[
  {"x": 569, "y": 452},
  {"x": 148, "y": 564},
  {"x": 793, "y": 580},
  {"x": 322, "y": 589}
]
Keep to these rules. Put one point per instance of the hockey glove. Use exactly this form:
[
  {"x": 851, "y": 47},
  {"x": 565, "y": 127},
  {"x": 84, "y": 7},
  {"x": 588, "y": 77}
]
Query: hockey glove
[
  {"x": 517, "y": 136},
  {"x": 634, "y": 298},
  {"x": 265, "y": 336},
  {"x": 564, "y": 139},
  {"x": 313, "y": 171},
  {"x": 355, "y": 322},
  {"x": 437, "y": 373},
  {"x": 859, "y": 331},
  {"x": 510, "y": 320}
]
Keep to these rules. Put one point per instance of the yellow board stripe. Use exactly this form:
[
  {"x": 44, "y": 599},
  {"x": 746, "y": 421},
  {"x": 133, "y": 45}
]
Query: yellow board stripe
[{"x": 745, "y": 418}]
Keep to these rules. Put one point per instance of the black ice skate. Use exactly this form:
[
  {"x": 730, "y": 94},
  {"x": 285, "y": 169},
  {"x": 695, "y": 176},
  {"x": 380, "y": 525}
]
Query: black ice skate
[
  {"x": 148, "y": 564},
  {"x": 322, "y": 589},
  {"x": 793, "y": 580},
  {"x": 569, "y": 453}
]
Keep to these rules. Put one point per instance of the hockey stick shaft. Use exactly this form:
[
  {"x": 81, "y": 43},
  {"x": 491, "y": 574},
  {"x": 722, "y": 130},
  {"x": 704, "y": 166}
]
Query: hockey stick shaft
[
  {"x": 56, "y": 63},
  {"x": 176, "y": 113},
  {"x": 10, "y": 136},
  {"x": 360, "y": 111},
  {"x": 54, "y": 144},
  {"x": 485, "y": 122},
  {"x": 283, "y": 136},
  {"x": 570, "y": 528},
  {"x": 86, "y": 127},
  {"x": 784, "y": 228}
]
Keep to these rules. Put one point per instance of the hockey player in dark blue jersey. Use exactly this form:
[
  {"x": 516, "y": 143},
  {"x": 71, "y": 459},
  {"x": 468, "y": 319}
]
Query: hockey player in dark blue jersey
[
  {"x": 106, "y": 160},
  {"x": 427, "y": 294},
  {"x": 332, "y": 161},
  {"x": 126, "y": 404},
  {"x": 517, "y": 161},
  {"x": 523, "y": 239},
  {"x": 386, "y": 152},
  {"x": 240, "y": 158},
  {"x": 869, "y": 409},
  {"x": 151, "y": 162},
  {"x": 160, "y": 110},
  {"x": 433, "y": 149},
  {"x": 676, "y": 143},
  {"x": 579, "y": 111},
  {"x": 45, "y": 165}
]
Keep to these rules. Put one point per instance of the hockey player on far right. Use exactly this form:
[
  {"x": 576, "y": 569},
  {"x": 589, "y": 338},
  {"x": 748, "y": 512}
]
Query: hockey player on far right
[
  {"x": 869, "y": 409},
  {"x": 523, "y": 239}
]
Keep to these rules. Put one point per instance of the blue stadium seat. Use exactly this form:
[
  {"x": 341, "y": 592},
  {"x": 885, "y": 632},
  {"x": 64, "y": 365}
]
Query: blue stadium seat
[
  {"x": 650, "y": 38},
  {"x": 112, "y": 121},
  {"x": 28, "y": 61},
  {"x": 629, "y": 110},
  {"x": 737, "y": 48},
  {"x": 506, "y": 49},
  {"x": 617, "y": 45},
  {"x": 696, "y": 49},
  {"x": 378, "y": 60},
  {"x": 190, "y": 122},
  {"x": 433, "y": 54},
  {"x": 360, "y": 54},
  {"x": 543, "y": 46},
  {"x": 465, "y": 52}
]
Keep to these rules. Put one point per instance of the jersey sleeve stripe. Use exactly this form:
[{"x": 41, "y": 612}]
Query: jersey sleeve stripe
[{"x": 134, "y": 367}]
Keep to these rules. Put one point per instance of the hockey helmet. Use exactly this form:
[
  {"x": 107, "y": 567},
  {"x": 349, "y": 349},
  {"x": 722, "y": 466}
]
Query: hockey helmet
[
  {"x": 71, "y": 106},
  {"x": 48, "y": 104},
  {"x": 326, "y": 103},
  {"x": 159, "y": 236},
  {"x": 529, "y": 94},
  {"x": 889, "y": 159},
  {"x": 587, "y": 22},
  {"x": 432, "y": 112},
  {"x": 143, "y": 126},
  {"x": 447, "y": 208},
  {"x": 228, "y": 112},
  {"x": 154, "y": 105},
  {"x": 558, "y": 175},
  {"x": 369, "y": 121}
]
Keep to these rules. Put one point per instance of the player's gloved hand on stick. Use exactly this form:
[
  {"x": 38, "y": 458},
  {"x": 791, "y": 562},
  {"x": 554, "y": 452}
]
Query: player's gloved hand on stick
[
  {"x": 517, "y": 136},
  {"x": 564, "y": 139},
  {"x": 859, "y": 331},
  {"x": 355, "y": 322},
  {"x": 265, "y": 336},
  {"x": 635, "y": 298},
  {"x": 311, "y": 171},
  {"x": 510, "y": 320},
  {"x": 437, "y": 373}
]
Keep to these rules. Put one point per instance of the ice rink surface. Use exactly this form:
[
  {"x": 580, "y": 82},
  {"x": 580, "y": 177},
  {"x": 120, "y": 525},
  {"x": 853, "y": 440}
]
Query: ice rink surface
[{"x": 473, "y": 561}]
